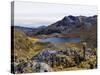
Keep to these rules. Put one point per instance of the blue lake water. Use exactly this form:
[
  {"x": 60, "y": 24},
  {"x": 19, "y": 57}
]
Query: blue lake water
[{"x": 60, "y": 40}]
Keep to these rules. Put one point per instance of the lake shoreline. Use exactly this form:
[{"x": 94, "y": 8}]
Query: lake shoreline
[
  {"x": 60, "y": 40},
  {"x": 57, "y": 36}
]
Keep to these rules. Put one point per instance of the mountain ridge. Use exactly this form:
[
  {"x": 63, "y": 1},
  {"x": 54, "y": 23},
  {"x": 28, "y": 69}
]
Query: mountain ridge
[{"x": 69, "y": 24}]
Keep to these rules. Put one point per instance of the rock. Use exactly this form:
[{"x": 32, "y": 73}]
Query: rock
[{"x": 41, "y": 67}]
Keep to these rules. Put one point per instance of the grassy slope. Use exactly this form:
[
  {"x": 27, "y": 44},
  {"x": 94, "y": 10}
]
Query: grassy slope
[{"x": 26, "y": 47}]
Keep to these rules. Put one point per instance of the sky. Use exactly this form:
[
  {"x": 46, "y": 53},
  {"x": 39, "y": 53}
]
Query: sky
[{"x": 29, "y": 14}]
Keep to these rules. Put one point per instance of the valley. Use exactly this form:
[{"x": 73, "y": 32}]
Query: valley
[{"x": 68, "y": 44}]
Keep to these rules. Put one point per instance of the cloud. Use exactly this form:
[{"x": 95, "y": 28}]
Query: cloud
[{"x": 45, "y": 14}]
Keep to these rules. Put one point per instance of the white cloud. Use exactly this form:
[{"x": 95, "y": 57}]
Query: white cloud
[{"x": 45, "y": 14}]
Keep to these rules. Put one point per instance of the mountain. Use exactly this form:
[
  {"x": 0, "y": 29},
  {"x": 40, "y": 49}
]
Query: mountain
[
  {"x": 74, "y": 26},
  {"x": 69, "y": 24}
]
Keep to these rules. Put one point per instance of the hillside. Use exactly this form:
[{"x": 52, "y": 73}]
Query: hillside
[
  {"x": 73, "y": 26},
  {"x": 69, "y": 24}
]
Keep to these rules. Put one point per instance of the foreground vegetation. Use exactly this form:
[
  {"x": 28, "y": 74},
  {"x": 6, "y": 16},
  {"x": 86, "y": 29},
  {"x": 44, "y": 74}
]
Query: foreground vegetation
[{"x": 30, "y": 55}]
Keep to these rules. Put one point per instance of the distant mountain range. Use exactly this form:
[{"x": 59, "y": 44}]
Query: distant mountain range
[{"x": 69, "y": 24}]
